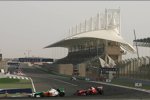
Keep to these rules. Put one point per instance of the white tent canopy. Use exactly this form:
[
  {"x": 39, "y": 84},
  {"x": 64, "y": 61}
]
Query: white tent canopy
[
  {"x": 110, "y": 64},
  {"x": 110, "y": 35},
  {"x": 103, "y": 63}
]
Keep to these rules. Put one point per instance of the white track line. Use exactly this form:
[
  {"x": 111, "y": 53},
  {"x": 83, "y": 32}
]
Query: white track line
[
  {"x": 65, "y": 82},
  {"x": 32, "y": 85},
  {"x": 138, "y": 89}
]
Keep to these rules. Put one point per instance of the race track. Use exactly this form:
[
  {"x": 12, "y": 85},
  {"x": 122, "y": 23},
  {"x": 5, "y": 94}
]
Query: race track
[{"x": 44, "y": 81}]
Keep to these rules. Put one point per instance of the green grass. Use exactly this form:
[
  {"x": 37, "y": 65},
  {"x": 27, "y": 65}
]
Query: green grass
[
  {"x": 6, "y": 83},
  {"x": 120, "y": 82},
  {"x": 129, "y": 84},
  {"x": 6, "y": 86},
  {"x": 14, "y": 83},
  {"x": 147, "y": 87},
  {"x": 8, "y": 80}
]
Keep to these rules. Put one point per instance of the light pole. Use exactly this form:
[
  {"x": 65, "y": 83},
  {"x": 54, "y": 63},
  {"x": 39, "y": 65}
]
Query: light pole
[
  {"x": 25, "y": 55},
  {"x": 28, "y": 51}
]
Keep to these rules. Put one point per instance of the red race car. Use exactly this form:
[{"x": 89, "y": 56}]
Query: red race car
[{"x": 90, "y": 91}]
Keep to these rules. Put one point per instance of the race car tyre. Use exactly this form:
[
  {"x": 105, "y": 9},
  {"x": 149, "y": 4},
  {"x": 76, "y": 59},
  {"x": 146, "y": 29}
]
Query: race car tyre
[
  {"x": 85, "y": 94},
  {"x": 37, "y": 95},
  {"x": 61, "y": 94},
  {"x": 101, "y": 92},
  {"x": 89, "y": 93}
]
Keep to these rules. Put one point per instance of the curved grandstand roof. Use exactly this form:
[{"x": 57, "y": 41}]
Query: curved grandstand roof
[{"x": 110, "y": 35}]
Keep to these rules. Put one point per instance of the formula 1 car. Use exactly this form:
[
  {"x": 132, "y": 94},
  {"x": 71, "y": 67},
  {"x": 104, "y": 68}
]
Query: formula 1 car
[
  {"x": 50, "y": 93},
  {"x": 90, "y": 91}
]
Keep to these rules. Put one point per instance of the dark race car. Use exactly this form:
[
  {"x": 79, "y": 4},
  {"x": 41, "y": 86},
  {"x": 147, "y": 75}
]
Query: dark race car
[{"x": 90, "y": 91}]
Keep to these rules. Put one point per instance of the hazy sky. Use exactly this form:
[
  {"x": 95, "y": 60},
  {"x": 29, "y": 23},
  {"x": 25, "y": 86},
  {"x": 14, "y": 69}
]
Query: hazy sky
[{"x": 32, "y": 25}]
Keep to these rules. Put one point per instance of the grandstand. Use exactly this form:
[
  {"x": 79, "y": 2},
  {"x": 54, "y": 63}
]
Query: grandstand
[
  {"x": 98, "y": 37},
  {"x": 35, "y": 59}
]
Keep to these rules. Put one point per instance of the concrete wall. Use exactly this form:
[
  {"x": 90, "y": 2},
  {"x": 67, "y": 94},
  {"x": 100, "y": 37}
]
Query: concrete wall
[
  {"x": 115, "y": 53},
  {"x": 82, "y": 70},
  {"x": 113, "y": 50},
  {"x": 3, "y": 65},
  {"x": 92, "y": 73},
  {"x": 0, "y": 57},
  {"x": 66, "y": 69}
]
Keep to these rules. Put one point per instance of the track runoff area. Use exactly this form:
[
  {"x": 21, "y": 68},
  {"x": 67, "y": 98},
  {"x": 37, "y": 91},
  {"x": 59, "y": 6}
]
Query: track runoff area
[{"x": 43, "y": 81}]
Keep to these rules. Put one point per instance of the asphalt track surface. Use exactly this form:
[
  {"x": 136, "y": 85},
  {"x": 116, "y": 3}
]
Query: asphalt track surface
[{"x": 44, "y": 81}]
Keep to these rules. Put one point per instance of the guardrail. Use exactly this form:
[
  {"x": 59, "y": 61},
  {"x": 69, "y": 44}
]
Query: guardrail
[{"x": 13, "y": 91}]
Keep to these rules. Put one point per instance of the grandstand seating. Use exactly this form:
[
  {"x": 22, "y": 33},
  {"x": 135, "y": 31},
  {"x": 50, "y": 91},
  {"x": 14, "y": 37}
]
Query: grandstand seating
[{"x": 81, "y": 56}]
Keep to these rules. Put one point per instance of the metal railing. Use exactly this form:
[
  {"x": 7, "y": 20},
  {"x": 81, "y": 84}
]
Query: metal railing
[{"x": 135, "y": 68}]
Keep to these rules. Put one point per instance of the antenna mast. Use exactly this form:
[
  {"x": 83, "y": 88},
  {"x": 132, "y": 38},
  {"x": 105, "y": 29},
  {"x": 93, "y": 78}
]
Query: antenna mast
[{"x": 136, "y": 44}]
